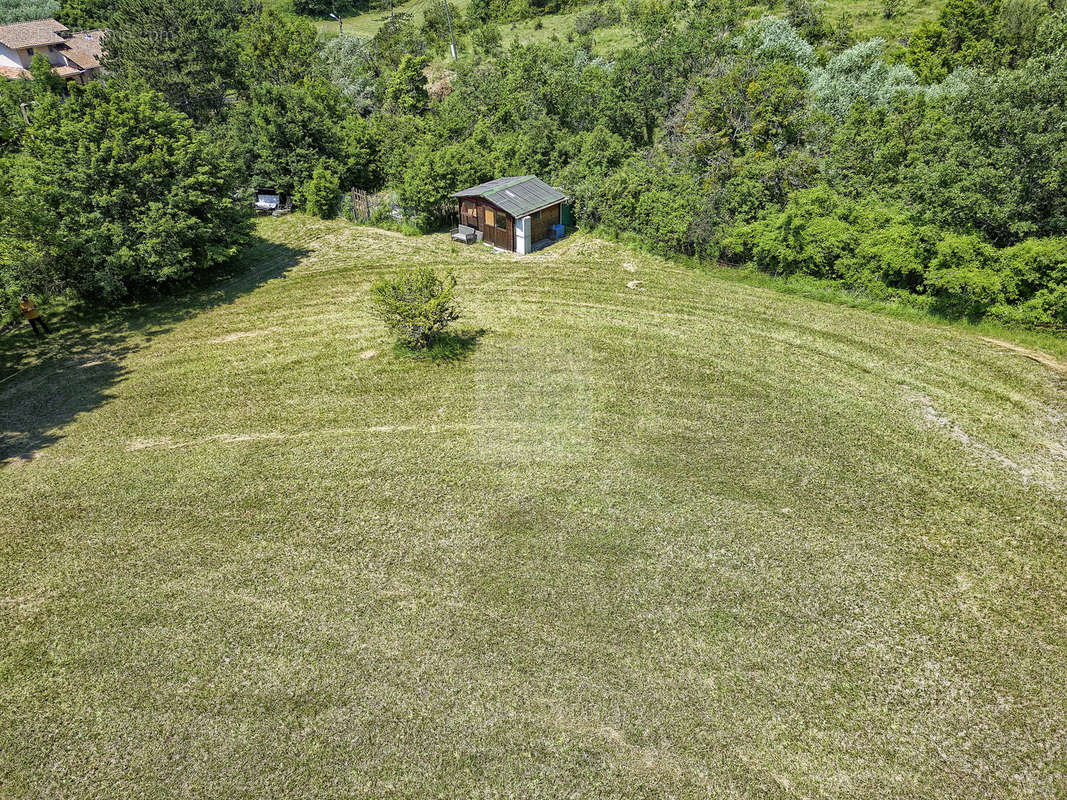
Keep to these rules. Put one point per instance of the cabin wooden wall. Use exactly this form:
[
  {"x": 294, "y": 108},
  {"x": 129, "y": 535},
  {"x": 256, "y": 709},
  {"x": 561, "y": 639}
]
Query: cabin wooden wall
[
  {"x": 542, "y": 223},
  {"x": 472, "y": 212}
]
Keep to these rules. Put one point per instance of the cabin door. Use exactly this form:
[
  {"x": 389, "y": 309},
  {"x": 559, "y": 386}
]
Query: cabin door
[{"x": 497, "y": 229}]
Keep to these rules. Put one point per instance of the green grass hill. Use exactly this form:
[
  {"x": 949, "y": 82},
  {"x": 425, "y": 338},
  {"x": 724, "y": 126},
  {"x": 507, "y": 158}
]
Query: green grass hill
[{"x": 637, "y": 531}]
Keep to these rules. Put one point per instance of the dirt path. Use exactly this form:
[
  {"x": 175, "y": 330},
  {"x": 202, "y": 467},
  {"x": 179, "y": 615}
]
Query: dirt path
[{"x": 1034, "y": 355}]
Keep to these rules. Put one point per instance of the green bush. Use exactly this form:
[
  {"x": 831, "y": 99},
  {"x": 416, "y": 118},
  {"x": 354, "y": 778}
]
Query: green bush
[
  {"x": 877, "y": 249},
  {"x": 416, "y": 307},
  {"x": 1035, "y": 264},
  {"x": 964, "y": 273},
  {"x": 665, "y": 219},
  {"x": 1046, "y": 309},
  {"x": 322, "y": 194},
  {"x": 486, "y": 39}
]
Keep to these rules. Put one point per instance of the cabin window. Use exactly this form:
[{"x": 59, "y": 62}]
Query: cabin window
[
  {"x": 490, "y": 218},
  {"x": 536, "y": 216},
  {"x": 501, "y": 221}
]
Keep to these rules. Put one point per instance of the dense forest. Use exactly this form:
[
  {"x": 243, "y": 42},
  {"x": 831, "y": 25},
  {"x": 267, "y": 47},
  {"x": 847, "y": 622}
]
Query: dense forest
[{"x": 931, "y": 170}]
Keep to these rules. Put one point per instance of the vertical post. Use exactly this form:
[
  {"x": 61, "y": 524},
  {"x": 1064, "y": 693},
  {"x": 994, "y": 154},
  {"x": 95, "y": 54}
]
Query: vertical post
[
  {"x": 451, "y": 33},
  {"x": 354, "y": 204}
]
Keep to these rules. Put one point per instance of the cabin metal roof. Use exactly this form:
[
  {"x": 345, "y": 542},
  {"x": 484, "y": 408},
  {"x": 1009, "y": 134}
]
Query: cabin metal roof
[{"x": 517, "y": 195}]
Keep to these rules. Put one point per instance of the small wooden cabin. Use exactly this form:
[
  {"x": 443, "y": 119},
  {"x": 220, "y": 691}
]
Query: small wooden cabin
[{"x": 519, "y": 214}]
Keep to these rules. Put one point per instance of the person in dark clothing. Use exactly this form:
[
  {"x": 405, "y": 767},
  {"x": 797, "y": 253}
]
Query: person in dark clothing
[{"x": 33, "y": 316}]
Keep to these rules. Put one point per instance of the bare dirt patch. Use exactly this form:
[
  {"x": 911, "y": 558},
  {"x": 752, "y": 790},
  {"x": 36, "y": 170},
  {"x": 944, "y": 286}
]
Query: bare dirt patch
[{"x": 1033, "y": 355}]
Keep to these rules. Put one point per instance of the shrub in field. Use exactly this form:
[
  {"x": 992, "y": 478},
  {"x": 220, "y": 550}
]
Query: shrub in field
[
  {"x": 598, "y": 17},
  {"x": 417, "y": 307}
]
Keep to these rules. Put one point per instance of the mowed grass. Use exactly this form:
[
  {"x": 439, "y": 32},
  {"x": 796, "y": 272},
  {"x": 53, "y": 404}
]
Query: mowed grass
[{"x": 648, "y": 533}]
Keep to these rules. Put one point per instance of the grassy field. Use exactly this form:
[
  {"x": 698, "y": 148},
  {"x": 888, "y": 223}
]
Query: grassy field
[
  {"x": 866, "y": 16},
  {"x": 636, "y": 532},
  {"x": 540, "y": 29}
]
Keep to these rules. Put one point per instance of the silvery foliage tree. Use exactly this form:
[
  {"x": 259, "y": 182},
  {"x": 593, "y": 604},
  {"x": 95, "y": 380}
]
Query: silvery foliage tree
[
  {"x": 860, "y": 73},
  {"x": 350, "y": 67},
  {"x": 774, "y": 39}
]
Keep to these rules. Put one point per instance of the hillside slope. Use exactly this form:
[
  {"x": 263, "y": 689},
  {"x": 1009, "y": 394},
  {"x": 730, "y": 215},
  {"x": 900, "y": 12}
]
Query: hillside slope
[
  {"x": 646, "y": 534},
  {"x": 865, "y": 16}
]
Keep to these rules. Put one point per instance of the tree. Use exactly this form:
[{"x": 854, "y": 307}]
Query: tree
[
  {"x": 436, "y": 169},
  {"x": 486, "y": 40},
  {"x": 84, "y": 14},
  {"x": 435, "y": 30},
  {"x": 807, "y": 16},
  {"x": 398, "y": 37},
  {"x": 322, "y": 194},
  {"x": 860, "y": 72},
  {"x": 283, "y": 132},
  {"x": 350, "y": 66},
  {"x": 117, "y": 190},
  {"x": 979, "y": 33},
  {"x": 416, "y": 307},
  {"x": 276, "y": 49},
  {"x": 314, "y": 8},
  {"x": 45, "y": 80},
  {"x": 407, "y": 90},
  {"x": 23, "y": 270},
  {"x": 359, "y": 154},
  {"x": 479, "y": 12},
  {"x": 185, "y": 49}
]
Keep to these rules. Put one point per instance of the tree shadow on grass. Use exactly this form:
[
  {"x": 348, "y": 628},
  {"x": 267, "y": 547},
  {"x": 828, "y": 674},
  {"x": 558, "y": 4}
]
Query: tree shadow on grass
[
  {"x": 46, "y": 384},
  {"x": 449, "y": 347}
]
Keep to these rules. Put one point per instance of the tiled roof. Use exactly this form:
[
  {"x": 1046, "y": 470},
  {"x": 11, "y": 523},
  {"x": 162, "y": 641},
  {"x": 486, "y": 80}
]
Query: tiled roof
[
  {"x": 517, "y": 195},
  {"x": 32, "y": 34},
  {"x": 13, "y": 73},
  {"x": 84, "y": 48}
]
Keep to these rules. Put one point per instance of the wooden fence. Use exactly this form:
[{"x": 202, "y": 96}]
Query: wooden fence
[{"x": 363, "y": 204}]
